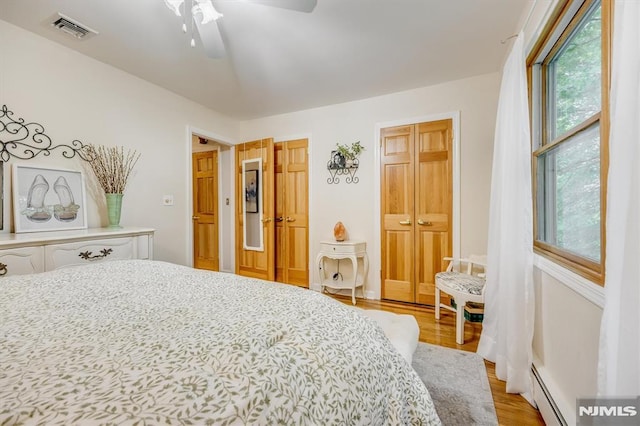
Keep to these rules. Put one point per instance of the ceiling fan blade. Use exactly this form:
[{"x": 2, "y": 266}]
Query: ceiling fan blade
[
  {"x": 211, "y": 39},
  {"x": 306, "y": 6}
]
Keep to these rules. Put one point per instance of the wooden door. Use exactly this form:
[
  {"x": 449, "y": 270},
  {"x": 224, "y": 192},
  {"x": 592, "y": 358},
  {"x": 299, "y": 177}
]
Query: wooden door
[
  {"x": 205, "y": 210},
  {"x": 279, "y": 213},
  {"x": 433, "y": 210},
  {"x": 252, "y": 263},
  {"x": 292, "y": 212},
  {"x": 397, "y": 205},
  {"x": 416, "y": 208}
]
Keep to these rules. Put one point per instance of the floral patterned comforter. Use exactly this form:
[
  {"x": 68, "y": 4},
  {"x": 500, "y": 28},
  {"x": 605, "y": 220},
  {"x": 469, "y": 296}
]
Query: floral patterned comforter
[{"x": 144, "y": 342}]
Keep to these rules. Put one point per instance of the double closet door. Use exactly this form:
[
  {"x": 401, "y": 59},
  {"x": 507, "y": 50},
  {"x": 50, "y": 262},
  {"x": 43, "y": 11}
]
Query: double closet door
[
  {"x": 284, "y": 255},
  {"x": 416, "y": 208}
]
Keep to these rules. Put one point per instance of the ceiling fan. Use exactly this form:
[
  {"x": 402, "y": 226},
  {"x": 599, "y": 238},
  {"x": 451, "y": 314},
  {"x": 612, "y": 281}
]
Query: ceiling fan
[{"x": 205, "y": 17}]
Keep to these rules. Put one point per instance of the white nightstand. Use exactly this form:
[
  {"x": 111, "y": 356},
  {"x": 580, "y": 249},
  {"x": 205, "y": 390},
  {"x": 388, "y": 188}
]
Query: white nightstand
[{"x": 352, "y": 250}]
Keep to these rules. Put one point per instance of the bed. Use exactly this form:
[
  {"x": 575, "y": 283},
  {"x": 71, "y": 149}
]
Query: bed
[{"x": 148, "y": 342}]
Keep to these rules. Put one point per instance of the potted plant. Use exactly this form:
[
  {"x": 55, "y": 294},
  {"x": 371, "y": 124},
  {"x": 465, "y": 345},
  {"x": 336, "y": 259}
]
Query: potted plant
[
  {"x": 350, "y": 152},
  {"x": 112, "y": 167}
]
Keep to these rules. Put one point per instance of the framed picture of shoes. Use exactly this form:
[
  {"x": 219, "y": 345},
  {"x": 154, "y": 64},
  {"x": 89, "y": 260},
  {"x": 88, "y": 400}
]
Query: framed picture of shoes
[{"x": 46, "y": 199}]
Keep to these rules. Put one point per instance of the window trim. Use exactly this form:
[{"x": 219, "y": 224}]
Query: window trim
[{"x": 565, "y": 18}]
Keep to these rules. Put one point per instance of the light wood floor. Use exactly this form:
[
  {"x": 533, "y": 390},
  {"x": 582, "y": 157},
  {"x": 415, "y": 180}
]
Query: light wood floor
[{"x": 511, "y": 409}]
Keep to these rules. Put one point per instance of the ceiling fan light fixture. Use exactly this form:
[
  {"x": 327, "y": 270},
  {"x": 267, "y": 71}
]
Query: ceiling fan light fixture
[
  {"x": 174, "y": 6},
  {"x": 197, "y": 13},
  {"x": 205, "y": 7}
]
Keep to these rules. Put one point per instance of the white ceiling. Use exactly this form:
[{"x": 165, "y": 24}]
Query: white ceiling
[{"x": 281, "y": 61}]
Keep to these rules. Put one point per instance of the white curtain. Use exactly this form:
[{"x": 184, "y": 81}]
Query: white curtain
[
  {"x": 619, "y": 362},
  {"x": 507, "y": 329}
]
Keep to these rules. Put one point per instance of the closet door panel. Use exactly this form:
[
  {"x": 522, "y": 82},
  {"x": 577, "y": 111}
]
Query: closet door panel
[
  {"x": 433, "y": 192},
  {"x": 279, "y": 212},
  {"x": 280, "y": 253},
  {"x": 297, "y": 260},
  {"x": 433, "y": 247},
  {"x": 398, "y": 272},
  {"x": 397, "y": 142},
  {"x": 433, "y": 185},
  {"x": 397, "y": 205},
  {"x": 251, "y": 263},
  {"x": 297, "y": 212},
  {"x": 292, "y": 212}
]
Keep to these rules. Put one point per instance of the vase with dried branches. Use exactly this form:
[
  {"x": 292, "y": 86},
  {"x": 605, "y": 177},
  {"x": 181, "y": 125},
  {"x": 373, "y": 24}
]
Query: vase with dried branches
[{"x": 112, "y": 168}]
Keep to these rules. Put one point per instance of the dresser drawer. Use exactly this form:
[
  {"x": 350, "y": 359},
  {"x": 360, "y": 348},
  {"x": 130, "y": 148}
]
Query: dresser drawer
[
  {"x": 83, "y": 252},
  {"x": 20, "y": 261},
  {"x": 342, "y": 248}
]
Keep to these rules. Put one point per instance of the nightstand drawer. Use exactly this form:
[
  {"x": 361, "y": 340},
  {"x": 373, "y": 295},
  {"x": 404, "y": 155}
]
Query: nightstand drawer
[
  {"x": 342, "y": 248},
  {"x": 84, "y": 252}
]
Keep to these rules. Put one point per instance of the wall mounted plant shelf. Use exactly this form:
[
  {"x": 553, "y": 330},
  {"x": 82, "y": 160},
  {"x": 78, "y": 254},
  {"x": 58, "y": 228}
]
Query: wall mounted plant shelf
[{"x": 338, "y": 166}]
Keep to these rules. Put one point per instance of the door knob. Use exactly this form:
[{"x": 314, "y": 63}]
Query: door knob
[
  {"x": 422, "y": 222},
  {"x": 290, "y": 219},
  {"x": 266, "y": 220},
  {"x": 405, "y": 222},
  {"x": 196, "y": 218}
]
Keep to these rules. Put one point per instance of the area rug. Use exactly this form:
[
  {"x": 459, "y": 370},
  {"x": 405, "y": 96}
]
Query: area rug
[{"x": 458, "y": 384}]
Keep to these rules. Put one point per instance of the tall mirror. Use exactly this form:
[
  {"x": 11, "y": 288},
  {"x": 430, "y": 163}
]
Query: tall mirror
[{"x": 252, "y": 204}]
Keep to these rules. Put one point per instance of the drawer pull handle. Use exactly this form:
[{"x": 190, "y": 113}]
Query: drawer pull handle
[
  {"x": 3, "y": 269},
  {"x": 86, "y": 255},
  {"x": 422, "y": 222},
  {"x": 405, "y": 222}
]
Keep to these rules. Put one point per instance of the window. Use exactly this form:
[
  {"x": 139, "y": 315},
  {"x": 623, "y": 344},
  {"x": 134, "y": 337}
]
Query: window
[{"x": 569, "y": 83}]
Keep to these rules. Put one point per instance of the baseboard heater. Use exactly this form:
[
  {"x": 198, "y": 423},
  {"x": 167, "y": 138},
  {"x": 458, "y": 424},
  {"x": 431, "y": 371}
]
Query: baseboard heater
[{"x": 546, "y": 404}]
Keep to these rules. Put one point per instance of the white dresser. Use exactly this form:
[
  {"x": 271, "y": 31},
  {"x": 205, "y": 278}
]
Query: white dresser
[
  {"x": 45, "y": 251},
  {"x": 356, "y": 252}
]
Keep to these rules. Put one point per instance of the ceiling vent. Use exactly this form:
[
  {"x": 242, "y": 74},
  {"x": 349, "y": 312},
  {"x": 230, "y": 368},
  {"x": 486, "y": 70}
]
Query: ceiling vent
[{"x": 72, "y": 27}]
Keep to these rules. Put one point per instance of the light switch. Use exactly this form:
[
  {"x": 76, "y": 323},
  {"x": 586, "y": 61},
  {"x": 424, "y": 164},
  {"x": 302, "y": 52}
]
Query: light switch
[{"x": 167, "y": 200}]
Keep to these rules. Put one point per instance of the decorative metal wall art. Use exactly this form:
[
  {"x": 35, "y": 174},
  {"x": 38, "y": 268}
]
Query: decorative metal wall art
[
  {"x": 338, "y": 166},
  {"x": 27, "y": 140}
]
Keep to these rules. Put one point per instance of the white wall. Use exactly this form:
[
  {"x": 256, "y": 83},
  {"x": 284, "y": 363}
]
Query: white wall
[
  {"x": 566, "y": 337},
  {"x": 354, "y": 204},
  {"x": 76, "y": 97}
]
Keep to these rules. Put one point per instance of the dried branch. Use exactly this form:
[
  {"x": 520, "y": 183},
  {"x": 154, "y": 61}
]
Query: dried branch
[{"x": 112, "y": 166}]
